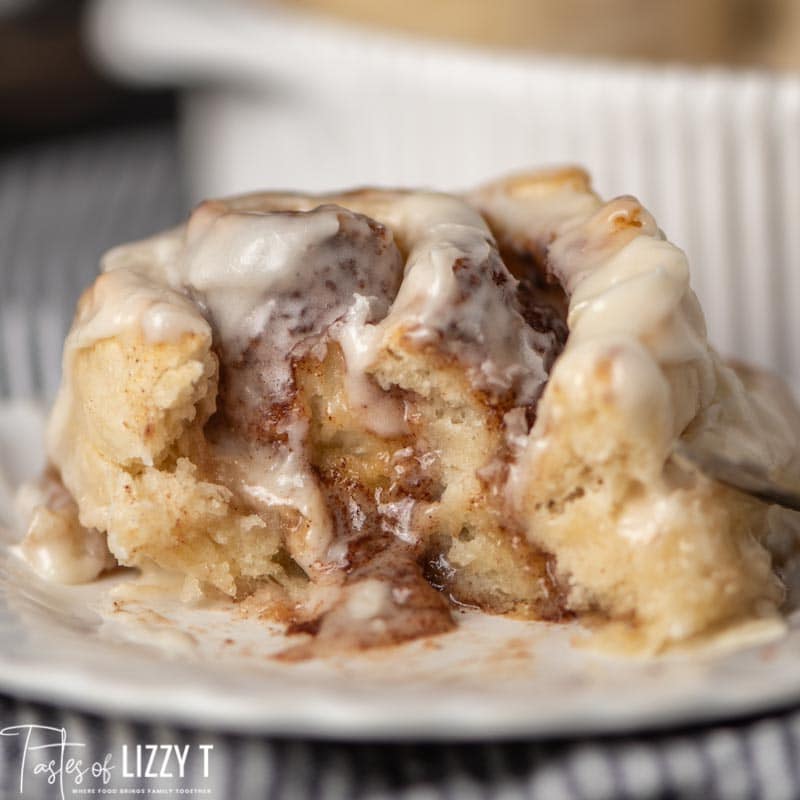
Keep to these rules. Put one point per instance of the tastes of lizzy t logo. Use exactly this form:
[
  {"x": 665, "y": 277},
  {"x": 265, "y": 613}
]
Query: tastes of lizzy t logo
[{"x": 47, "y": 754}]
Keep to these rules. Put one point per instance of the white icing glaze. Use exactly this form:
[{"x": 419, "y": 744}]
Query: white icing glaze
[
  {"x": 282, "y": 276},
  {"x": 278, "y": 475},
  {"x": 457, "y": 292},
  {"x": 57, "y": 546},
  {"x": 125, "y": 300},
  {"x": 628, "y": 288},
  {"x": 360, "y": 342},
  {"x": 62, "y": 551},
  {"x": 368, "y": 599}
]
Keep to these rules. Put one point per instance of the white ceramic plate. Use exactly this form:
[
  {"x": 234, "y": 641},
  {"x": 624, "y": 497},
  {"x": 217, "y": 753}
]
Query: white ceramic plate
[{"x": 491, "y": 678}]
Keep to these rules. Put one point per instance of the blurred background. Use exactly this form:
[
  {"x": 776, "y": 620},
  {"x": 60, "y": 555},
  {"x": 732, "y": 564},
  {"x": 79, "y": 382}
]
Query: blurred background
[{"x": 117, "y": 115}]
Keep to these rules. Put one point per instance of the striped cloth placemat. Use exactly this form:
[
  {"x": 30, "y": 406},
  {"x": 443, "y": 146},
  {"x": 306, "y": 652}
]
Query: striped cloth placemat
[
  {"x": 61, "y": 205},
  {"x": 754, "y": 759}
]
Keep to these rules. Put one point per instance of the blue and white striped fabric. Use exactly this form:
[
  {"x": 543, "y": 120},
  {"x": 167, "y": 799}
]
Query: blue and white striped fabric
[
  {"x": 754, "y": 759},
  {"x": 61, "y": 205}
]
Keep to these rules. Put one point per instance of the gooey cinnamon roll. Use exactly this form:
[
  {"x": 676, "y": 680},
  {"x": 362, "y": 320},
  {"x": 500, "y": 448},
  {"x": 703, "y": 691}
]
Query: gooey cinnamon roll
[{"x": 357, "y": 412}]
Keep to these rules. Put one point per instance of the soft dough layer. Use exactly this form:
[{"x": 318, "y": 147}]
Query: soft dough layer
[
  {"x": 638, "y": 538},
  {"x": 336, "y": 406}
]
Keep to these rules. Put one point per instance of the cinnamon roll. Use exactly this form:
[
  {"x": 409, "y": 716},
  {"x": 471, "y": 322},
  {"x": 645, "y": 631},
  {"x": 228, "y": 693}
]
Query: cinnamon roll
[{"x": 356, "y": 412}]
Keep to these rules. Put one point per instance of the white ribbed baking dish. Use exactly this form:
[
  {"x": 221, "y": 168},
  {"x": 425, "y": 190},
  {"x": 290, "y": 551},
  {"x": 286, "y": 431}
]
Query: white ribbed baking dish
[{"x": 280, "y": 100}]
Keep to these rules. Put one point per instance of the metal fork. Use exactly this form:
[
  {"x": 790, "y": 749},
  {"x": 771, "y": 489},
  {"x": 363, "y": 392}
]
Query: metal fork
[{"x": 744, "y": 476}]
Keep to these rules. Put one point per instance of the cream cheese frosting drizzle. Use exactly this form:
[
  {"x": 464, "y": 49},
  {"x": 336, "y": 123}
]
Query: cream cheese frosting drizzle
[
  {"x": 278, "y": 280},
  {"x": 624, "y": 281},
  {"x": 457, "y": 293}
]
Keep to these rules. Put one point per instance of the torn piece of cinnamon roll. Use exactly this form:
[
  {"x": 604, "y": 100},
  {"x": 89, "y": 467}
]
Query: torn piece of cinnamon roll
[{"x": 355, "y": 411}]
